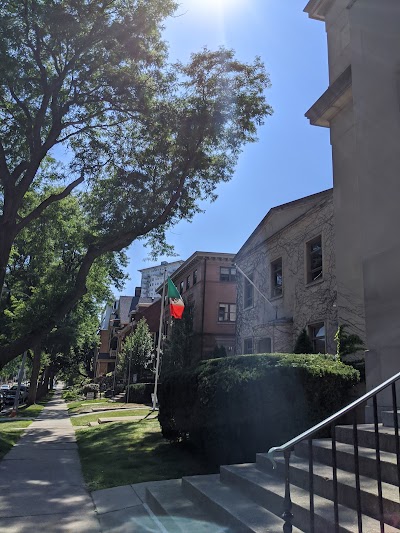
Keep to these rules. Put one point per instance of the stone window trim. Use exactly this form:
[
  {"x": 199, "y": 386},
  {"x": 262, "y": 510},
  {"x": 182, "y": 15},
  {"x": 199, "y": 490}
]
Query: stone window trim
[
  {"x": 276, "y": 269},
  {"x": 248, "y": 345},
  {"x": 248, "y": 293},
  {"x": 315, "y": 330},
  {"x": 311, "y": 255},
  {"x": 226, "y": 313},
  {"x": 261, "y": 342}
]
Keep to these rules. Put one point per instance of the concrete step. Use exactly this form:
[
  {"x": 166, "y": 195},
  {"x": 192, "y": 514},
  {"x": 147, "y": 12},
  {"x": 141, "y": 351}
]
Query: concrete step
[
  {"x": 388, "y": 418},
  {"x": 230, "y": 507},
  {"x": 366, "y": 436},
  {"x": 269, "y": 491},
  {"x": 323, "y": 486},
  {"x": 322, "y": 453},
  {"x": 176, "y": 512}
]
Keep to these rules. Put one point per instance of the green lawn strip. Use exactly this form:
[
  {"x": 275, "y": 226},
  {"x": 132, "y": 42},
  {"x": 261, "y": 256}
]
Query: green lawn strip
[
  {"x": 85, "y": 419},
  {"x": 75, "y": 407},
  {"x": 14, "y": 424},
  {"x": 32, "y": 411},
  {"x": 10, "y": 432},
  {"x": 121, "y": 454}
]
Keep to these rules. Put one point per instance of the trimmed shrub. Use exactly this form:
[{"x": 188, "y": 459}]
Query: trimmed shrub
[
  {"x": 234, "y": 407},
  {"x": 91, "y": 387},
  {"x": 141, "y": 392}
]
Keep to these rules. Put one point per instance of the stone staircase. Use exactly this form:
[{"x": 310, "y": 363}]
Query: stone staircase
[{"x": 249, "y": 497}]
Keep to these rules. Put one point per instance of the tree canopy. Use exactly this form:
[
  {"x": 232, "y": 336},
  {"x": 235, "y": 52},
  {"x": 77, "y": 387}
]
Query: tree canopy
[{"x": 90, "y": 106}]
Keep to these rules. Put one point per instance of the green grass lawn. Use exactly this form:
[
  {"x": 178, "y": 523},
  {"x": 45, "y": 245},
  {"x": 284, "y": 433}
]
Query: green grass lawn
[
  {"x": 10, "y": 432},
  {"x": 75, "y": 407},
  {"x": 32, "y": 411},
  {"x": 85, "y": 419},
  {"x": 133, "y": 452}
]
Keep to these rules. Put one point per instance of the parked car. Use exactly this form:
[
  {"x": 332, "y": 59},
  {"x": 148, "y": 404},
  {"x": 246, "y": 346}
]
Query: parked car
[
  {"x": 10, "y": 395},
  {"x": 5, "y": 387}
]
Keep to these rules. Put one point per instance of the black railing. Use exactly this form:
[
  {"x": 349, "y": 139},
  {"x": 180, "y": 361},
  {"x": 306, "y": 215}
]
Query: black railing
[{"x": 308, "y": 435}]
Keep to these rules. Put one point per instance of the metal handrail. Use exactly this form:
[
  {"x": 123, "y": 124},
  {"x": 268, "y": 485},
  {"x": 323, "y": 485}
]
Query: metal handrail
[{"x": 310, "y": 432}]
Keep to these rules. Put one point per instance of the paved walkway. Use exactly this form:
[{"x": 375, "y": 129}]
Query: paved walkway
[{"x": 41, "y": 480}]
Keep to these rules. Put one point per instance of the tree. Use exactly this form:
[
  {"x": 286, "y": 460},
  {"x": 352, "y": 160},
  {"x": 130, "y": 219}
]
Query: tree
[
  {"x": 136, "y": 351},
  {"x": 43, "y": 260},
  {"x": 303, "y": 343},
  {"x": 149, "y": 139},
  {"x": 347, "y": 343}
]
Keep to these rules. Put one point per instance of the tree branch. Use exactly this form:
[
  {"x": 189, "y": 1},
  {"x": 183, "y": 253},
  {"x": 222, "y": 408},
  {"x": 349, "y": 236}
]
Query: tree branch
[{"x": 51, "y": 199}]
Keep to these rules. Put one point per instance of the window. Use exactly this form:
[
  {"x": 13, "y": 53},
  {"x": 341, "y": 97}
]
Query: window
[
  {"x": 227, "y": 274},
  {"x": 181, "y": 287},
  {"x": 264, "y": 345},
  {"x": 276, "y": 278},
  {"x": 317, "y": 336},
  {"x": 314, "y": 259},
  {"x": 195, "y": 277},
  {"x": 248, "y": 346},
  {"x": 227, "y": 313},
  {"x": 248, "y": 293},
  {"x": 188, "y": 283}
]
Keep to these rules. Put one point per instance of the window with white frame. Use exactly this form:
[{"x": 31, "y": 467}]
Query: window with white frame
[
  {"x": 227, "y": 312},
  {"x": 227, "y": 274}
]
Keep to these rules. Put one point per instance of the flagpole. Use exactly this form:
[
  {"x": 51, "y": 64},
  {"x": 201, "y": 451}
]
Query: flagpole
[
  {"x": 159, "y": 343},
  {"x": 258, "y": 290}
]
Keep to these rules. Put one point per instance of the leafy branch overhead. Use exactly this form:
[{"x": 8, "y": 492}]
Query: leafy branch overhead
[{"x": 91, "y": 106}]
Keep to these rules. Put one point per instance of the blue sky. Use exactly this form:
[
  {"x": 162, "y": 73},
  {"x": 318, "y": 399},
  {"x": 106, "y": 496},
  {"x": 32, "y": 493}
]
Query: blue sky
[{"x": 291, "y": 159}]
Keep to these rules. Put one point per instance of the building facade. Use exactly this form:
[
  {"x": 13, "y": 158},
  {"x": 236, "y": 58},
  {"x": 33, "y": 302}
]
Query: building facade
[
  {"x": 115, "y": 318},
  {"x": 290, "y": 259},
  {"x": 152, "y": 277},
  {"x": 207, "y": 282},
  {"x": 362, "y": 109}
]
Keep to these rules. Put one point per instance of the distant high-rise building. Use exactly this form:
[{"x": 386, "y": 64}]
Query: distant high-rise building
[{"x": 152, "y": 277}]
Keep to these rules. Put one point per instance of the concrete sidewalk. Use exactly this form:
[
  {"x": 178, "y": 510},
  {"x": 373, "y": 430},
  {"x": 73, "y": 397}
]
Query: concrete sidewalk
[{"x": 41, "y": 479}]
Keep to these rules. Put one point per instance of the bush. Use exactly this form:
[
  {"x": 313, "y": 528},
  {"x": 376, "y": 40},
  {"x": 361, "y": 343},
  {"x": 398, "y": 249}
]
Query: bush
[
  {"x": 91, "y": 387},
  {"x": 234, "y": 407},
  {"x": 141, "y": 392},
  {"x": 71, "y": 394}
]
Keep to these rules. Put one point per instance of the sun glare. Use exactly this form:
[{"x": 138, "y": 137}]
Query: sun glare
[{"x": 213, "y": 7}]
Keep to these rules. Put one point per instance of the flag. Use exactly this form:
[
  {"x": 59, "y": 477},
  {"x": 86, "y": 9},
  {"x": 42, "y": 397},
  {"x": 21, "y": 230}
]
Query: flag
[{"x": 176, "y": 305}]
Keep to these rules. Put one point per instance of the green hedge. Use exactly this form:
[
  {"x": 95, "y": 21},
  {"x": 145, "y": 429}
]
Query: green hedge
[
  {"x": 141, "y": 392},
  {"x": 234, "y": 407}
]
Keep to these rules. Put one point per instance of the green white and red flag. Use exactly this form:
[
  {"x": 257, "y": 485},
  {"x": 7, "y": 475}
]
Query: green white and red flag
[{"x": 176, "y": 305}]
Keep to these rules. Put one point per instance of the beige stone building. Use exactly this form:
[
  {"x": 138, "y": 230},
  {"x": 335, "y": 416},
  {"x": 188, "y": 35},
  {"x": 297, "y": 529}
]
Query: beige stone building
[
  {"x": 290, "y": 259},
  {"x": 362, "y": 109}
]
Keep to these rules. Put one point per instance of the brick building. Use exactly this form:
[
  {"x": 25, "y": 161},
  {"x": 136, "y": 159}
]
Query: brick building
[{"x": 207, "y": 281}]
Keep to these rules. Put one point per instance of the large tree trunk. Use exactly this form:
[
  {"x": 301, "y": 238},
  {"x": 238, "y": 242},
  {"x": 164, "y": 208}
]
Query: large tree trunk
[
  {"x": 37, "y": 352},
  {"x": 43, "y": 386}
]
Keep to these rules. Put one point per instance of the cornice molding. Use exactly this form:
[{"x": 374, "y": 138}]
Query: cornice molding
[
  {"x": 334, "y": 99},
  {"x": 317, "y": 9}
]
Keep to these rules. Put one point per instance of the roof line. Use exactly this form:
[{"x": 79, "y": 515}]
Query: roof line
[{"x": 280, "y": 207}]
